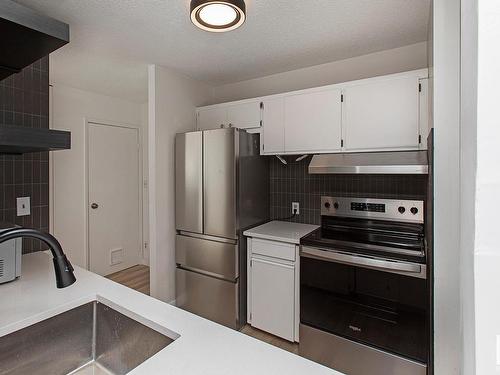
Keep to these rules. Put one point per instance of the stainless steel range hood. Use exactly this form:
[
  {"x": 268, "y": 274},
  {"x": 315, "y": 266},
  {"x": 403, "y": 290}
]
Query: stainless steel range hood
[
  {"x": 26, "y": 36},
  {"x": 401, "y": 162}
]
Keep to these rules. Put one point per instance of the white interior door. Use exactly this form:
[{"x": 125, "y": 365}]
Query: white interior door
[{"x": 114, "y": 198}]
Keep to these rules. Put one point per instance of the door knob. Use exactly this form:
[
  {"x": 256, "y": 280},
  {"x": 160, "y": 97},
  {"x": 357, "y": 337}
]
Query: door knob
[{"x": 94, "y": 206}]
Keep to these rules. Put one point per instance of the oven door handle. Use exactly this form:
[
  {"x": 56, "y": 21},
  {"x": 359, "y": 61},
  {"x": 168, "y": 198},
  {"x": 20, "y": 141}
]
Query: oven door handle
[{"x": 410, "y": 269}]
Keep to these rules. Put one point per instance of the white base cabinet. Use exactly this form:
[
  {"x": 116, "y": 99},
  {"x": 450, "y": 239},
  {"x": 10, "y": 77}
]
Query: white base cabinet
[
  {"x": 273, "y": 287},
  {"x": 273, "y": 297}
]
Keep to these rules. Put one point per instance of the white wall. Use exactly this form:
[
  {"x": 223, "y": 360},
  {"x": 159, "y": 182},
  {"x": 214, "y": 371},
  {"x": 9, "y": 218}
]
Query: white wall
[
  {"x": 468, "y": 162},
  {"x": 487, "y": 249},
  {"x": 385, "y": 62},
  {"x": 172, "y": 102},
  {"x": 447, "y": 276},
  {"x": 70, "y": 107}
]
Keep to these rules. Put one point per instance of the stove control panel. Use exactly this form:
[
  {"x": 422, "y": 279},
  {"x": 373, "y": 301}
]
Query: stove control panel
[{"x": 382, "y": 209}]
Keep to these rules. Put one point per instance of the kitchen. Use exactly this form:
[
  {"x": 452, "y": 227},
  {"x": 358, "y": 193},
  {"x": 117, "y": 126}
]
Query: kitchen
[{"x": 300, "y": 200}]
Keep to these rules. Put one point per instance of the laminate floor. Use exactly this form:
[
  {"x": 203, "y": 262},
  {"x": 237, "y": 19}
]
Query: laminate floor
[
  {"x": 291, "y": 347},
  {"x": 136, "y": 277}
]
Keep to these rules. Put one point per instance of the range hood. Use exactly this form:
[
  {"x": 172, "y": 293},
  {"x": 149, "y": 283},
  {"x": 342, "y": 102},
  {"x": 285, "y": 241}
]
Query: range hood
[
  {"x": 400, "y": 162},
  {"x": 26, "y": 36},
  {"x": 16, "y": 140}
]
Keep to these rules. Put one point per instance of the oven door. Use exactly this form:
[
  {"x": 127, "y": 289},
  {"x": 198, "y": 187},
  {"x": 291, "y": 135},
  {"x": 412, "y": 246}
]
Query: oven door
[{"x": 370, "y": 301}]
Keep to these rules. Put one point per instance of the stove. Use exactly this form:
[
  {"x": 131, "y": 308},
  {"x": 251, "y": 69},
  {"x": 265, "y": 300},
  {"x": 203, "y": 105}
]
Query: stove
[
  {"x": 363, "y": 287},
  {"x": 383, "y": 228}
]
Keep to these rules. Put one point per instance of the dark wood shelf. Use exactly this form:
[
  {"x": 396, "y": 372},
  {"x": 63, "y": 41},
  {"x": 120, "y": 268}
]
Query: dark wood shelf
[{"x": 20, "y": 140}]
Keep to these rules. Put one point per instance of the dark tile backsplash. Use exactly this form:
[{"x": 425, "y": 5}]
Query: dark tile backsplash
[
  {"x": 292, "y": 183},
  {"x": 24, "y": 101}
]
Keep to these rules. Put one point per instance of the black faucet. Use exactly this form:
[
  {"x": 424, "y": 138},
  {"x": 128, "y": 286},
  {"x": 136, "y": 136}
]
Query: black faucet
[{"x": 62, "y": 266}]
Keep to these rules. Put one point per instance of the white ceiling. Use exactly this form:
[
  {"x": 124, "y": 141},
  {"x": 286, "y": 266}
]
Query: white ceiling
[{"x": 112, "y": 41}]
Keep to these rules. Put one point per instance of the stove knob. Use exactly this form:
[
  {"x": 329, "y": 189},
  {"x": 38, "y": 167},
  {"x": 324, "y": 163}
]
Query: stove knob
[
  {"x": 401, "y": 209},
  {"x": 327, "y": 205},
  {"x": 336, "y": 205},
  {"x": 414, "y": 210}
]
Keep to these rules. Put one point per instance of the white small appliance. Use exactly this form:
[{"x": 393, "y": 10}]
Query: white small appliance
[{"x": 10, "y": 256}]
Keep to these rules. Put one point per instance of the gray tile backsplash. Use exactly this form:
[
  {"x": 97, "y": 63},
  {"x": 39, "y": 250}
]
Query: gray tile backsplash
[
  {"x": 24, "y": 101},
  {"x": 292, "y": 183}
]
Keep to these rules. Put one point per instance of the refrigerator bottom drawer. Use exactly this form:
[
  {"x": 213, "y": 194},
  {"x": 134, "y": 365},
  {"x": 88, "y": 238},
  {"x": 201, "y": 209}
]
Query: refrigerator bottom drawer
[{"x": 206, "y": 296}]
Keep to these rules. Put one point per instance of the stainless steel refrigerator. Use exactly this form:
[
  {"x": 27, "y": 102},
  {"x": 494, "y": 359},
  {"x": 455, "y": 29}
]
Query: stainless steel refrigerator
[{"x": 222, "y": 188}]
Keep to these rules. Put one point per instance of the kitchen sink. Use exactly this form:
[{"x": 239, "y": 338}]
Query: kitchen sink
[{"x": 90, "y": 339}]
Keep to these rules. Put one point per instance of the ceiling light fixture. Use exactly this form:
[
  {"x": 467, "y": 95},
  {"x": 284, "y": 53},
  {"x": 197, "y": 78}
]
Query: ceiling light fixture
[{"x": 218, "y": 15}]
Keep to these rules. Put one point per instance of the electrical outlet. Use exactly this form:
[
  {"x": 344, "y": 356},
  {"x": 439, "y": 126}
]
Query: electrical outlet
[
  {"x": 295, "y": 208},
  {"x": 23, "y": 206}
]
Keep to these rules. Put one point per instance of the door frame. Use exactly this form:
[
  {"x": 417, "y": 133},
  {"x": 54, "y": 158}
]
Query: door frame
[{"x": 88, "y": 121}]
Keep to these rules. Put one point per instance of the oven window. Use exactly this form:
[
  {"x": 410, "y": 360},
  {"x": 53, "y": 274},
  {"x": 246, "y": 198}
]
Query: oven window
[{"x": 379, "y": 309}]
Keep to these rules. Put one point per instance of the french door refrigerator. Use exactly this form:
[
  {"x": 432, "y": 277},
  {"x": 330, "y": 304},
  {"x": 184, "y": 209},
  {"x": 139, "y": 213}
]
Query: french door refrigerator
[{"x": 222, "y": 188}]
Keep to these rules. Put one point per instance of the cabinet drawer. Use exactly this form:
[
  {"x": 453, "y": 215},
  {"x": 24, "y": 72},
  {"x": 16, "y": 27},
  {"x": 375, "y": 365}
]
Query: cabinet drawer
[{"x": 273, "y": 249}]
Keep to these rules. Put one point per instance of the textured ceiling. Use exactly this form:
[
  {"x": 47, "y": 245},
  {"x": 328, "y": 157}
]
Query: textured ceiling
[{"x": 113, "y": 38}]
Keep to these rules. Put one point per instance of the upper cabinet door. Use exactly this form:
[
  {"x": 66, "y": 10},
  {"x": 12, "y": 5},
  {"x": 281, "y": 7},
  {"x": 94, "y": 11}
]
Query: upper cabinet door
[
  {"x": 244, "y": 115},
  {"x": 273, "y": 126},
  {"x": 211, "y": 117},
  {"x": 382, "y": 115},
  {"x": 313, "y": 121}
]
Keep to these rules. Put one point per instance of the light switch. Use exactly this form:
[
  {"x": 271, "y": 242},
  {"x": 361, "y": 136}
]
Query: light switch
[{"x": 23, "y": 206}]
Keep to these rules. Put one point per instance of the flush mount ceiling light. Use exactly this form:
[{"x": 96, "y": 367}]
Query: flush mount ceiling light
[{"x": 218, "y": 15}]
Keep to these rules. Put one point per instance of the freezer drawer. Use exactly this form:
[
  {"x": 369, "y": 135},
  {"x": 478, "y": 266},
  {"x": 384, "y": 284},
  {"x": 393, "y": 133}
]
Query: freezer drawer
[
  {"x": 206, "y": 296},
  {"x": 219, "y": 259},
  {"x": 189, "y": 182}
]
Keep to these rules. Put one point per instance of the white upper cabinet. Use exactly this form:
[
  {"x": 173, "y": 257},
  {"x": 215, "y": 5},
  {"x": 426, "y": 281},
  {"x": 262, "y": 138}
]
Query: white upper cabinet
[
  {"x": 272, "y": 139},
  {"x": 313, "y": 121},
  {"x": 385, "y": 113},
  {"x": 243, "y": 115},
  {"x": 382, "y": 115},
  {"x": 211, "y": 118}
]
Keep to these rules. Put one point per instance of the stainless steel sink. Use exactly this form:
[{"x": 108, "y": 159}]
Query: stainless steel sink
[{"x": 89, "y": 339}]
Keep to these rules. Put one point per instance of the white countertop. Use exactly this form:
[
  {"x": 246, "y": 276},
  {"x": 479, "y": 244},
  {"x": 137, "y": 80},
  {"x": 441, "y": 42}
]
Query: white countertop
[
  {"x": 203, "y": 347},
  {"x": 283, "y": 231}
]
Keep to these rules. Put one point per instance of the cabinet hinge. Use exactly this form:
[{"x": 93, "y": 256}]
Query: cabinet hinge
[
  {"x": 250, "y": 316},
  {"x": 260, "y": 122},
  {"x": 341, "y": 143},
  {"x": 419, "y": 139},
  {"x": 263, "y": 147},
  {"x": 419, "y": 87},
  {"x": 342, "y": 98},
  {"x": 261, "y": 105}
]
